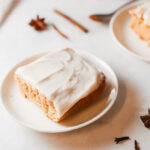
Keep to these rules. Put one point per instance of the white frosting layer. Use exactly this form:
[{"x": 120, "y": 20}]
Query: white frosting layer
[
  {"x": 63, "y": 77},
  {"x": 143, "y": 11}
]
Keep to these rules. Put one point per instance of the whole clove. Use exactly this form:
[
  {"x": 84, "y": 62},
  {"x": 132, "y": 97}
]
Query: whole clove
[
  {"x": 120, "y": 139},
  {"x": 136, "y": 145}
]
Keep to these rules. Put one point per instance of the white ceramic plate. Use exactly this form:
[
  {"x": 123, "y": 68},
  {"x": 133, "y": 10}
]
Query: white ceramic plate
[
  {"x": 125, "y": 37},
  {"x": 31, "y": 116}
]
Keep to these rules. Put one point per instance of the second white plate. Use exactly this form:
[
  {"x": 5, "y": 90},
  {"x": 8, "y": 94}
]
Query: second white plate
[
  {"x": 31, "y": 116},
  {"x": 125, "y": 37}
]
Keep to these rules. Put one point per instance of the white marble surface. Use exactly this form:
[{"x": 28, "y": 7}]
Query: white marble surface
[{"x": 18, "y": 41}]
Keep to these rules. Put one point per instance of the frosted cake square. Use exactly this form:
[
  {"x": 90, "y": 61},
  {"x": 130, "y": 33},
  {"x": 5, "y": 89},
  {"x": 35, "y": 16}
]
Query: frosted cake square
[
  {"x": 60, "y": 83},
  {"x": 140, "y": 21}
]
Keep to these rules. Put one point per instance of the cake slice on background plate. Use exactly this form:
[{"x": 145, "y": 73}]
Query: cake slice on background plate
[{"x": 140, "y": 21}]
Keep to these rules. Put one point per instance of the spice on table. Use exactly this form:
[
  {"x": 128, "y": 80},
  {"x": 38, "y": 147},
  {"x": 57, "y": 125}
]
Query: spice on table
[
  {"x": 146, "y": 119},
  {"x": 59, "y": 32},
  {"x": 136, "y": 145},
  {"x": 120, "y": 139},
  {"x": 38, "y": 23},
  {"x": 149, "y": 111},
  {"x": 71, "y": 20},
  {"x": 96, "y": 18}
]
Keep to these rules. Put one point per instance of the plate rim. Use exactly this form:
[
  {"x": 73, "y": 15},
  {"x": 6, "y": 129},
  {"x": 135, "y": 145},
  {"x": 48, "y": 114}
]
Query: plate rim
[
  {"x": 114, "y": 36},
  {"x": 78, "y": 126}
]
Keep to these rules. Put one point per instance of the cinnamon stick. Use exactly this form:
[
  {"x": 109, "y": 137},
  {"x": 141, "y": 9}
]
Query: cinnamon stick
[
  {"x": 59, "y": 32},
  {"x": 71, "y": 20}
]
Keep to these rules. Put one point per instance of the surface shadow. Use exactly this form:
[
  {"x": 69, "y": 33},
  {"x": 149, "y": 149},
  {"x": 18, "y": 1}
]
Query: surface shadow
[
  {"x": 117, "y": 105},
  {"x": 12, "y": 6},
  {"x": 97, "y": 107},
  {"x": 117, "y": 122}
]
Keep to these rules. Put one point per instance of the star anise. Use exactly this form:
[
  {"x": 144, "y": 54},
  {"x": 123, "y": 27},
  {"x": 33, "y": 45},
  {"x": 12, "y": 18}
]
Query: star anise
[
  {"x": 146, "y": 119},
  {"x": 38, "y": 23}
]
